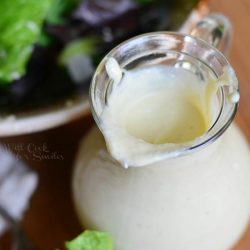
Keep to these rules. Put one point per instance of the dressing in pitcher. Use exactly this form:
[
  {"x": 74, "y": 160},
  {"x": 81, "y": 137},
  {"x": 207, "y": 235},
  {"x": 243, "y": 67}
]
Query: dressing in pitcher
[{"x": 166, "y": 173}]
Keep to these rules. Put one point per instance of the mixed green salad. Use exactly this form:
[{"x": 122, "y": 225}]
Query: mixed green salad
[{"x": 50, "y": 48}]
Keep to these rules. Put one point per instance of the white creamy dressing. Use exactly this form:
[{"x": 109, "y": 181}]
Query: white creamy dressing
[
  {"x": 154, "y": 110},
  {"x": 199, "y": 201},
  {"x": 193, "y": 202}
]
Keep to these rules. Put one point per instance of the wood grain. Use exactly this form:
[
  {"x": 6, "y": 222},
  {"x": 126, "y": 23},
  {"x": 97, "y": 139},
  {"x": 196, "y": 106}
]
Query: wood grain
[{"x": 51, "y": 219}]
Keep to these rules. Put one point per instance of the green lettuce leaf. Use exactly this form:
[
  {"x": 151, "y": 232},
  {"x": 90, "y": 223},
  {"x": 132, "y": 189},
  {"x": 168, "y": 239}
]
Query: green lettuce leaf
[
  {"x": 90, "y": 240},
  {"x": 20, "y": 27},
  {"x": 84, "y": 46},
  {"x": 59, "y": 9}
]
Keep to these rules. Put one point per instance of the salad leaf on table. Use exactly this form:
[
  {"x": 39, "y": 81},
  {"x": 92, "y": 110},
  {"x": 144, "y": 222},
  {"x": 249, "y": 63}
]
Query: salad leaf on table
[
  {"x": 90, "y": 240},
  {"x": 21, "y": 23}
]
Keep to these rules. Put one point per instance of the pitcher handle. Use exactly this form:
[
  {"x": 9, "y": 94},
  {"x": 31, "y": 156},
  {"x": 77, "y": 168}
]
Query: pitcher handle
[{"x": 216, "y": 29}]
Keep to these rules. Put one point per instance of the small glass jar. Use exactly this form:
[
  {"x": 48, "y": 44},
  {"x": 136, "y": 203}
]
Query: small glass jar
[{"x": 197, "y": 199}]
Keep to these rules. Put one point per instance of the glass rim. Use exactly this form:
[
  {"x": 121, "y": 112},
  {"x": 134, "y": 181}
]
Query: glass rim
[{"x": 208, "y": 136}]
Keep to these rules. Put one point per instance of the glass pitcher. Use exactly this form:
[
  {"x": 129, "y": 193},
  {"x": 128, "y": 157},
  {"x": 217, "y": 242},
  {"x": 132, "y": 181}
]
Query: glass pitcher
[{"x": 198, "y": 196}]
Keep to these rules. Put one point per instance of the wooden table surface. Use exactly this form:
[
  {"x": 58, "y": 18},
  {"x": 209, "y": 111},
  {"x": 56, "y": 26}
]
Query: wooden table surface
[{"x": 50, "y": 219}]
